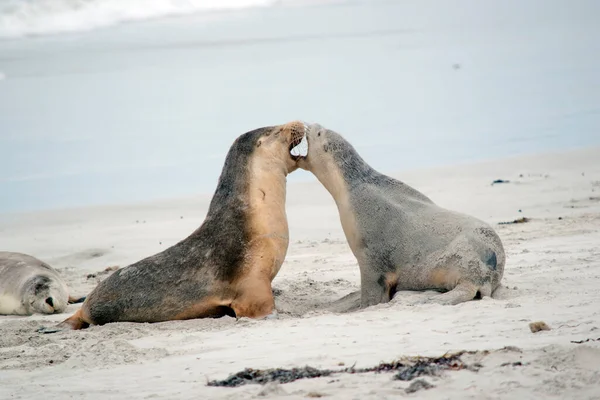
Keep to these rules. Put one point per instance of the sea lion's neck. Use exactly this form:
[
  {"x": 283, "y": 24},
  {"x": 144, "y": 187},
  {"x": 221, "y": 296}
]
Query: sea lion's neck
[
  {"x": 330, "y": 176},
  {"x": 267, "y": 219},
  {"x": 339, "y": 168},
  {"x": 266, "y": 198}
]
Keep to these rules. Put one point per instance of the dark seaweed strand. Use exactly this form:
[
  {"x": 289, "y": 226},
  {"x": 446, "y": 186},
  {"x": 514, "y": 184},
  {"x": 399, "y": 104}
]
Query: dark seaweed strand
[{"x": 407, "y": 370}]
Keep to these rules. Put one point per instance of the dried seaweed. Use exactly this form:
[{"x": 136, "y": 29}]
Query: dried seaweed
[
  {"x": 412, "y": 367},
  {"x": 262, "y": 377},
  {"x": 406, "y": 369}
]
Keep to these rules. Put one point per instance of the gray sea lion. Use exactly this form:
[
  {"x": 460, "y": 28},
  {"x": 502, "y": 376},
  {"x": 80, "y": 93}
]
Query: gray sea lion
[
  {"x": 29, "y": 285},
  {"x": 226, "y": 266},
  {"x": 401, "y": 239}
]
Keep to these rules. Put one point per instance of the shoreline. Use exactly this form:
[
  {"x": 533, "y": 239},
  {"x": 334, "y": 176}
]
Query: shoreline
[{"x": 203, "y": 197}]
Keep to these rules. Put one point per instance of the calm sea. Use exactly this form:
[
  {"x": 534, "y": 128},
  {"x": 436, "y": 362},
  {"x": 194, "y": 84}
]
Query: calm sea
[{"x": 148, "y": 109}]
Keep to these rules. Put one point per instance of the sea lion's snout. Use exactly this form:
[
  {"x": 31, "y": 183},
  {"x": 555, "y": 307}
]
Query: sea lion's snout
[{"x": 314, "y": 134}]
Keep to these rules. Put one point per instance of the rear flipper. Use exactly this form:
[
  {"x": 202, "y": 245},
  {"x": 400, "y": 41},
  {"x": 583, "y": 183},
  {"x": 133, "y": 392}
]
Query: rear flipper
[
  {"x": 464, "y": 291},
  {"x": 76, "y": 299},
  {"x": 74, "y": 322}
]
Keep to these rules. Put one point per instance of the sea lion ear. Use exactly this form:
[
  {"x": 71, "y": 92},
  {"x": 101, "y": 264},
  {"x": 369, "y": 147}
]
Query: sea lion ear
[{"x": 258, "y": 143}]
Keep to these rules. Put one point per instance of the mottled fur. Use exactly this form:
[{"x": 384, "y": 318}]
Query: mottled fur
[
  {"x": 401, "y": 239},
  {"x": 29, "y": 285},
  {"x": 226, "y": 266}
]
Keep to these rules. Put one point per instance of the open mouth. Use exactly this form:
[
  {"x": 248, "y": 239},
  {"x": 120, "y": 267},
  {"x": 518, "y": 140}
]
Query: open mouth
[{"x": 299, "y": 145}]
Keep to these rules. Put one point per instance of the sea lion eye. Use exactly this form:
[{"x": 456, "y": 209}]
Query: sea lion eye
[{"x": 319, "y": 134}]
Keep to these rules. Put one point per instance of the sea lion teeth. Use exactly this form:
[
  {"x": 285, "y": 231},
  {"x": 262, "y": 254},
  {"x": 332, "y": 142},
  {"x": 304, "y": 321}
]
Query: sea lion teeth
[{"x": 301, "y": 149}]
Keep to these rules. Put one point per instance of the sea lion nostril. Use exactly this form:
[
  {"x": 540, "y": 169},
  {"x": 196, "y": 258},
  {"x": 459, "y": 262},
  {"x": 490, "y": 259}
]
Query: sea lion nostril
[{"x": 50, "y": 301}]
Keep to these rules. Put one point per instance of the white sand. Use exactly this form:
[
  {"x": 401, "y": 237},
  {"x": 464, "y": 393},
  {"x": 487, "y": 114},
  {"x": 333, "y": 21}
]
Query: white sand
[{"x": 552, "y": 274}]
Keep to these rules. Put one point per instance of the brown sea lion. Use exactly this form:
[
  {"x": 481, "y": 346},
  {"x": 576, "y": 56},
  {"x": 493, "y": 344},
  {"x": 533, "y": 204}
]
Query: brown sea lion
[
  {"x": 226, "y": 266},
  {"x": 401, "y": 239},
  {"x": 29, "y": 285}
]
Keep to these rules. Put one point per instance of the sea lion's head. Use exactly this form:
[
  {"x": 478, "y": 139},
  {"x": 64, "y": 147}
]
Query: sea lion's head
[
  {"x": 321, "y": 145},
  {"x": 280, "y": 144},
  {"x": 45, "y": 295}
]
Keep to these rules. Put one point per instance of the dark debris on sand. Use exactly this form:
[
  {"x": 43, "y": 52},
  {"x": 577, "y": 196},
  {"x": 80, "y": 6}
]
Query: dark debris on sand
[
  {"x": 105, "y": 271},
  {"x": 262, "y": 377},
  {"x": 418, "y": 384},
  {"x": 521, "y": 220},
  {"x": 585, "y": 341},
  {"x": 413, "y": 367},
  {"x": 406, "y": 369}
]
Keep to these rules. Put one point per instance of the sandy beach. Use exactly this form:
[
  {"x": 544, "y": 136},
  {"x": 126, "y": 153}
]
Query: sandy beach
[{"x": 552, "y": 275}]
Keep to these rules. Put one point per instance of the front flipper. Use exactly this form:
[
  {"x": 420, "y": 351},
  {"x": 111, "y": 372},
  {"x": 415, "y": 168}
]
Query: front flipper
[
  {"x": 254, "y": 299},
  {"x": 350, "y": 302},
  {"x": 377, "y": 287}
]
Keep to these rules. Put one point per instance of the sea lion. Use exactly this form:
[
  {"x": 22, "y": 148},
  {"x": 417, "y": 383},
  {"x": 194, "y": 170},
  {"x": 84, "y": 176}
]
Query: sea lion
[
  {"x": 29, "y": 285},
  {"x": 226, "y": 266},
  {"x": 400, "y": 238}
]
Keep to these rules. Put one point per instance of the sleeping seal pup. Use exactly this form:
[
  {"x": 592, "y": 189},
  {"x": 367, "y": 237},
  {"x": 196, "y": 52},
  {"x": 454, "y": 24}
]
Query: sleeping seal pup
[
  {"x": 400, "y": 238},
  {"x": 29, "y": 285}
]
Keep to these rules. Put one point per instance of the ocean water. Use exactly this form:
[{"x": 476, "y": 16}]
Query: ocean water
[
  {"x": 20, "y": 18},
  {"x": 106, "y": 101}
]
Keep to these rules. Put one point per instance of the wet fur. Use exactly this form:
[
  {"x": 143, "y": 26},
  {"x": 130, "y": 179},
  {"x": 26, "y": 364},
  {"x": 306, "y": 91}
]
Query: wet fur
[
  {"x": 225, "y": 267},
  {"x": 401, "y": 239}
]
